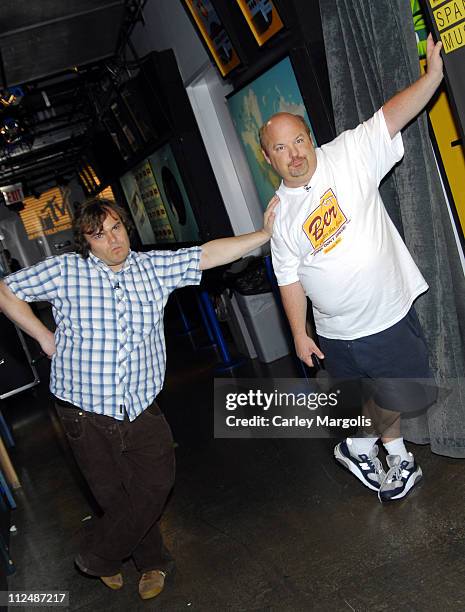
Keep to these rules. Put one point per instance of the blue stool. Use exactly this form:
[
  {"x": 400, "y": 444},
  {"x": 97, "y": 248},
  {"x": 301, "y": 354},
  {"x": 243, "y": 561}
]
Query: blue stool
[
  {"x": 227, "y": 362},
  {"x": 5, "y": 432},
  {"x": 5, "y": 490},
  {"x": 206, "y": 323},
  {"x": 186, "y": 324}
]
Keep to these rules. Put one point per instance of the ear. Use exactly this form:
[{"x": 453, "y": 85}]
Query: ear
[{"x": 266, "y": 156}]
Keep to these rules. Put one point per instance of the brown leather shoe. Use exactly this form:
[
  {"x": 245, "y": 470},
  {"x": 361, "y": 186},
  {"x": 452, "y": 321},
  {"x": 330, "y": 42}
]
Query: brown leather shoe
[
  {"x": 113, "y": 582},
  {"x": 151, "y": 583}
]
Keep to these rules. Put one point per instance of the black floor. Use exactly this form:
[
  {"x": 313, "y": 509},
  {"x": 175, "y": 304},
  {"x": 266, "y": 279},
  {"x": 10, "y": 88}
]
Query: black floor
[{"x": 253, "y": 524}]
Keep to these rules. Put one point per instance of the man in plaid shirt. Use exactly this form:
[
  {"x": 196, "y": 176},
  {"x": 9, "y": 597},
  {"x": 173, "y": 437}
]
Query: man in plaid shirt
[{"x": 108, "y": 365}]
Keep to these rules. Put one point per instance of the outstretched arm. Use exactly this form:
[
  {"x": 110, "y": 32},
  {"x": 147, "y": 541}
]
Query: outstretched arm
[
  {"x": 21, "y": 314},
  {"x": 224, "y": 250},
  {"x": 406, "y": 105}
]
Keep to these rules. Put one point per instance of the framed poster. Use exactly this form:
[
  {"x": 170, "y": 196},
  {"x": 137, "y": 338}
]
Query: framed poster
[
  {"x": 173, "y": 193},
  {"x": 213, "y": 34},
  {"x": 445, "y": 135},
  {"x": 130, "y": 184},
  {"x": 447, "y": 21},
  {"x": 276, "y": 90},
  {"x": 262, "y": 17},
  {"x": 153, "y": 203},
  {"x": 158, "y": 200}
]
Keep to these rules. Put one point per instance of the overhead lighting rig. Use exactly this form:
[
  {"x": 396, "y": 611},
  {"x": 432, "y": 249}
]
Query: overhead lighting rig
[
  {"x": 11, "y": 97},
  {"x": 14, "y": 132},
  {"x": 11, "y": 130}
]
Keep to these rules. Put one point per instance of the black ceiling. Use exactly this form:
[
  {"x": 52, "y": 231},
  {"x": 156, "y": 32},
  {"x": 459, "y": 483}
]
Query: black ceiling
[
  {"x": 56, "y": 50},
  {"x": 38, "y": 39}
]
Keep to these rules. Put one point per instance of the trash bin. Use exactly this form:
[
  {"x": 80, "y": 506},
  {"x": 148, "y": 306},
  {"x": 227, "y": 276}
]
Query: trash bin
[
  {"x": 261, "y": 315},
  {"x": 265, "y": 325},
  {"x": 236, "y": 322}
]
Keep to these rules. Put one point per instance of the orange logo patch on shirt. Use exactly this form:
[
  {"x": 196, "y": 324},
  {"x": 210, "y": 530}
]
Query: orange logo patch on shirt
[{"x": 323, "y": 223}]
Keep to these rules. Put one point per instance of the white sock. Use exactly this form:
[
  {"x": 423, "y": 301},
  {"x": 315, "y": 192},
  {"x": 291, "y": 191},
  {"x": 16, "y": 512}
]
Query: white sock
[
  {"x": 397, "y": 447},
  {"x": 361, "y": 446}
]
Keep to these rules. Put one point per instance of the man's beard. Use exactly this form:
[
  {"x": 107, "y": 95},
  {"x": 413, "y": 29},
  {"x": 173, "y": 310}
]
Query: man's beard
[{"x": 296, "y": 171}]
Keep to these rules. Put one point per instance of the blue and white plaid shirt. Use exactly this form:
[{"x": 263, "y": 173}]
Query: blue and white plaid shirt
[{"x": 110, "y": 343}]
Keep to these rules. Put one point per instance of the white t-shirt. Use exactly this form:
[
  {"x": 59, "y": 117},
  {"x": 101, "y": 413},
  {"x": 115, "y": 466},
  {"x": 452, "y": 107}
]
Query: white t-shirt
[{"x": 335, "y": 237}]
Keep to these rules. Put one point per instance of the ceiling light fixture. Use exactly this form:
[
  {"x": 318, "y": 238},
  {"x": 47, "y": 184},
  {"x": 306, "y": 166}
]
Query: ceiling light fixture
[{"x": 11, "y": 96}]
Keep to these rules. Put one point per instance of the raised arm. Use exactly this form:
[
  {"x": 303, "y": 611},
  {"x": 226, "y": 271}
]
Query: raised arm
[
  {"x": 295, "y": 306},
  {"x": 224, "y": 250},
  {"x": 406, "y": 105},
  {"x": 21, "y": 313}
]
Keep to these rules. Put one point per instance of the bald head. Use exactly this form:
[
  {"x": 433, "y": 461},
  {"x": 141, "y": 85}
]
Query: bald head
[
  {"x": 287, "y": 146},
  {"x": 276, "y": 119}
]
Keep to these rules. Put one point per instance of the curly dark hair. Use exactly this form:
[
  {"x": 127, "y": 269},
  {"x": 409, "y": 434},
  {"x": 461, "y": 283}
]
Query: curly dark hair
[{"x": 89, "y": 219}]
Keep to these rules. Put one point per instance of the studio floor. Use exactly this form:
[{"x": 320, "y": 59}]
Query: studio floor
[{"x": 253, "y": 524}]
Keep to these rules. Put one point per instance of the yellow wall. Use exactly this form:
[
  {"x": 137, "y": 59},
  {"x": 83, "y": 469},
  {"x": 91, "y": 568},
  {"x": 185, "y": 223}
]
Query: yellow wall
[{"x": 453, "y": 158}]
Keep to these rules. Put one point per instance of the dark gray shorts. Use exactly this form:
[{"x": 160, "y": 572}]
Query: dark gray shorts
[{"x": 393, "y": 364}]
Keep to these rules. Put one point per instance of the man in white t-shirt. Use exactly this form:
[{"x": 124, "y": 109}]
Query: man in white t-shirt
[{"x": 335, "y": 243}]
